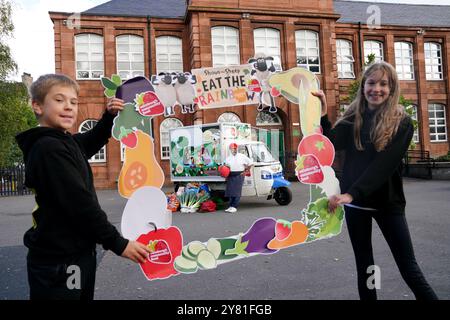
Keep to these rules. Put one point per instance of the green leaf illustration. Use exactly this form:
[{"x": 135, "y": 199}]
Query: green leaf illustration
[
  {"x": 108, "y": 84},
  {"x": 110, "y": 93},
  {"x": 116, "y": 79}
]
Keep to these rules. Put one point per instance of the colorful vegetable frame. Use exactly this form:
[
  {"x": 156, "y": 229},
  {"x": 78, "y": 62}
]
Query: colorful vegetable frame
[{"x": 266, "y": 235}]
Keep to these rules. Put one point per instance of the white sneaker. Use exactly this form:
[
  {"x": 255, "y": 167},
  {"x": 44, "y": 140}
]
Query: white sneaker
[
  {"x": 232, "y": 210},
  {"x": 228, "y": 210}
]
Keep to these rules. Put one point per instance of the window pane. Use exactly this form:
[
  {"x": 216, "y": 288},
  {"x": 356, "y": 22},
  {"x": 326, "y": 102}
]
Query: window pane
[
  {"x": 267, "y": 41},
  {"x": 169, "y": 52},
  {"x": 307, "y": 48},
  {"x": 89, "y": 56}
]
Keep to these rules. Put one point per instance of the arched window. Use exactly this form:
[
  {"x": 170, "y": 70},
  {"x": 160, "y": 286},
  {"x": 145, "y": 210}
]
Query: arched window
[
  {"x": 433, "y": 60},
  {"x": 345, "y": 59},
  {"x": 169, "y": 54},
  {"x": 225, "y": 46},
  {"x": 404, "y": 60},
  {"x": 266, "y": 118},
  {"x": 373, "y": 47},
  {"x": 228, "y": 117},
  {"x": 166, "y": 125},
  {"x": 413, "y": 112},
  {"x": 89, "y": 56},
  {"x": 86, "y": 126},
  {"x": 130, "y": 56},
  {"x": 308, "y": 50},
  {"x": 267, "y": 41}
]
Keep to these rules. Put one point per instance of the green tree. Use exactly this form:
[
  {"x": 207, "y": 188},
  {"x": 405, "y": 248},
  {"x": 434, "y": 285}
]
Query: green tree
[
  {"x": 7, "y": 63},
  {"x": 15, "y": 116}
]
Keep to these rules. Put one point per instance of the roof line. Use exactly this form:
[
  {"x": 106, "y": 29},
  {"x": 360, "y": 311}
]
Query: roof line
[{"x": 397, "y": 3}]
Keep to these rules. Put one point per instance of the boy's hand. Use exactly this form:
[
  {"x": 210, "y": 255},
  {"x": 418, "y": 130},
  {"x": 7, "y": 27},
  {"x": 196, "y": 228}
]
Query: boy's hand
[
  {"x": 321, "y": 95},
  {"x": 114, "y": 105},
  {"x": 136, "y": 251}
]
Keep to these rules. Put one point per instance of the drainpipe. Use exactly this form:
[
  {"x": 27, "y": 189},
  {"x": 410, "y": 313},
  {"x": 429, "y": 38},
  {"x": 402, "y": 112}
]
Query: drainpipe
[
  {"x": 150, "y": 71},
  {"x": 361, "y": 50}
]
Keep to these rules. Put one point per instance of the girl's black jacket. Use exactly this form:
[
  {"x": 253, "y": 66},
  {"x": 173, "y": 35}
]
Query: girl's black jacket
[
  {"x": 68, "y": 220},
  {"x": 373, "y": 179}
]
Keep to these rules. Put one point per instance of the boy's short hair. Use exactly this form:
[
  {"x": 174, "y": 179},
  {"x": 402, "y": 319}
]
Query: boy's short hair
[{"x": 40, "y": 88}]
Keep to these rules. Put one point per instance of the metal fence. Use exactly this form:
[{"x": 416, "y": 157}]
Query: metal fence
[
  {"x": 12, "y": 181},
  {"x": 418, "y": 164}
]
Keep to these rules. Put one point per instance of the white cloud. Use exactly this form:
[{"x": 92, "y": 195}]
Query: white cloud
[{"x": 33, "y": 43}]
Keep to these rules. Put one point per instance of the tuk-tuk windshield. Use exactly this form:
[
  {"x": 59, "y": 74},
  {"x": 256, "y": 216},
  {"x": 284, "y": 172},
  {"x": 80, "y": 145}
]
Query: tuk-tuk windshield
[{"x": 261, "y": 154}]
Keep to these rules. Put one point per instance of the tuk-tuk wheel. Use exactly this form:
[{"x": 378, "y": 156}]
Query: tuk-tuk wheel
[{"x": 283, "y": 196}]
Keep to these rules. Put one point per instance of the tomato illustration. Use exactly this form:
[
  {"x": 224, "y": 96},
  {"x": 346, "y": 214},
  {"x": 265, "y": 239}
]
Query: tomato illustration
[
  {"x": 319, "y": 146},
  {"x": 166, "y": 245}
]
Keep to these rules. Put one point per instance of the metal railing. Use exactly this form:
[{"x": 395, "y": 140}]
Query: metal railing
[
  {"x": 421, "y": 162},
  {"x": 12, "y": 181}
]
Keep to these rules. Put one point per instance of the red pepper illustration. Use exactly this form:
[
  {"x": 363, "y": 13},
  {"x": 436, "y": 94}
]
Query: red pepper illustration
[{"x": 166, "y": 245}]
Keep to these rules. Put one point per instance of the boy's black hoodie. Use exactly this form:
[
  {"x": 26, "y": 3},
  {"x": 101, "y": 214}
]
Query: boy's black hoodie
[
  {"x": 373, "y": 179},
  {"x": 67, "y": 220}
]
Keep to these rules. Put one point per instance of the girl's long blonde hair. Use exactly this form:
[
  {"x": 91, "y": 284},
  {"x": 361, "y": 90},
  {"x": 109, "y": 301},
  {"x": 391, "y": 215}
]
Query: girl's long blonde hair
[{"x": 387, "y": 117}]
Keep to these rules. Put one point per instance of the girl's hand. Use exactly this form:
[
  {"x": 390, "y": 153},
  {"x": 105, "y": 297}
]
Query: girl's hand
[
  {"x": 114, "y": 105},
  {"x": 321, "y": 95},
  {"x": 136, "y": 252},
  {"x": 337, "y": 200}
]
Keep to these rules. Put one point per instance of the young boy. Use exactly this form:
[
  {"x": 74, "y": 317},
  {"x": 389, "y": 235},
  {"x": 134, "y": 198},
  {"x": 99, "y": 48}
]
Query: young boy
[{"x": 67, "y": 220}]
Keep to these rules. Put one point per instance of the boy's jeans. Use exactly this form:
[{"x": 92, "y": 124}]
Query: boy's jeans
[{"x": 68, "y": 281}]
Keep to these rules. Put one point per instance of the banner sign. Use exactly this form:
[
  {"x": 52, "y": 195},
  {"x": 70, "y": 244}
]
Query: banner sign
[{"x": 224, "y": 87}]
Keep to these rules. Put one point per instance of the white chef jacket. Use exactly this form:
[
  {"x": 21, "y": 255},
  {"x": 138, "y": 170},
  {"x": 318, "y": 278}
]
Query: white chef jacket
[{"x": 237, "y": 162}]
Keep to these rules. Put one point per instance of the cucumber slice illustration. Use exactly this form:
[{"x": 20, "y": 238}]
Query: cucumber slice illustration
[
  {"x": 195, "y": 247},
  {"x": 206, "y": 260},
  {"x": 187, "y": 255},
  {"x": 184, "y": 265},
  {"x": 214, "y": 247}
]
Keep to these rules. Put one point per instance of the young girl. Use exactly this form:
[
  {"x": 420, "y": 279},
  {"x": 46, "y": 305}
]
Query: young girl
[{"x": 375, "y": 134}]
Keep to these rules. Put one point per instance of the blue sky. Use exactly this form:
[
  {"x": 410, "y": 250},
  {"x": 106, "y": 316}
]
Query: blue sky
[{"x": 33, "y": 47}]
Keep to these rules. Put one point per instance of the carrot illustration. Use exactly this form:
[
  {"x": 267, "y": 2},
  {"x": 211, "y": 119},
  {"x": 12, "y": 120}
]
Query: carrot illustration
[{"x": 299, "y": 234}]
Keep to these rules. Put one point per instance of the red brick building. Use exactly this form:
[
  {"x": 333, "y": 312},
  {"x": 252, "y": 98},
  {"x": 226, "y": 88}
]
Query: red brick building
[{"x": 330, "y": 38}]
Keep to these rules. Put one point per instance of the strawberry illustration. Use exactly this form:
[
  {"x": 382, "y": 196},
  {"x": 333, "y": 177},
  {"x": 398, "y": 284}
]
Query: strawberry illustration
[
  {"x": 274, "y": 92},
  {"x": 308, "y": 169},
  {"x": 148, "y": 104},
  {"x": 283, "y": 229},
  {"x": 160, "y": 252},
  {"x": 128, "y": 137},
  {"x": 254, "y": 86}
]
